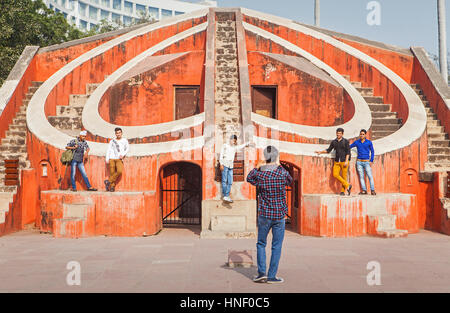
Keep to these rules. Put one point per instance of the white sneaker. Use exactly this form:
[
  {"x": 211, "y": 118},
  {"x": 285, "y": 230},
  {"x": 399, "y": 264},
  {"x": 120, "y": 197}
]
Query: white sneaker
[{"x": 227, "y": 199}]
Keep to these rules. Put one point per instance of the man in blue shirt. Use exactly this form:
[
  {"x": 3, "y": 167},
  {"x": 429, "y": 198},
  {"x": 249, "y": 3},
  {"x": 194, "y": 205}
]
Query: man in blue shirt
[{"x": 364, "y": 160}]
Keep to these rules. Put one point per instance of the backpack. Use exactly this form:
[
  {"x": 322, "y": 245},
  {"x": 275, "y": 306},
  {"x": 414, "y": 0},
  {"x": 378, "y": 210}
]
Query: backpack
[{"x": 66, "y": 157}]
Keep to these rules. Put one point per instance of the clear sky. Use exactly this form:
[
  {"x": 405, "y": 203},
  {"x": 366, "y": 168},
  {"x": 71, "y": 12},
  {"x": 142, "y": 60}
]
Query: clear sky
[{"x": 403, "y": 23}]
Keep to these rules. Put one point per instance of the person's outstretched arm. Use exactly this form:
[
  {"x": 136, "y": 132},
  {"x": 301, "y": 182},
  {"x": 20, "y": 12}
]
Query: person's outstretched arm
[
  {"x": 252, "y": 177},
  {"x": 372, "y": 152}
]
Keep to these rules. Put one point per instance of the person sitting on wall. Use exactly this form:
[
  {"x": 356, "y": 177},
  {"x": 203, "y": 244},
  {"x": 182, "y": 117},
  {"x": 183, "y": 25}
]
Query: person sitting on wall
[
  {"x": 341, "y": 161},
  {"x": 226, "y": 161},
  {"x": 271, "y": 180},
  {"x": 80, "y": 155},
  {"x": 117, "y": 150},
  {"x": 363, "y": 162}
]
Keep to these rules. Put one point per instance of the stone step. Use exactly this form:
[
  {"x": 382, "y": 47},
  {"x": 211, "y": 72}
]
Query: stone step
[
  {"x": 28, "y": 96},
  {"x": 373, "y": 99},
  {"x": 36, "y": 84},
  {"x": 358, "y": 85},
  {"x": 13, "y": 149},
  {"x": 434, "y": 167},
  {"x": 433, "y": 123},
  {"x": 380, "y": 134},
  {"x": 6, "y": 196},
  {"x": 11, "y": 133},
  {"x": 435, "y": 129},
  {"x": 65, "y": 122},
  {"x": 423, "y": 98},
  {"x": 77, "y": 100},
  {"x": 439, "y": 143},
  {"x": 437, "y": 136},
  {"x": 67, "y": 110},
  {"x": 431, "y": 116},
  {"x": 437, "y": 158},
  {"x": 23, "y": 163},
  {"x": 12, "y": 189},
  {"x": 439, "y": 150},
  {"x": 428, "y": 110},
  {"x": 365, "y": 91},
  {"x": 386, "y": 121},
  {"x": 13, "y": 141},
  {"x": 415, "y": 86},
  {"x": 377, "y": 115},
  {"x": 17, "y": 128},
  {"x": 392, "y": 233},
  {"x": 90, "y": 88},
  {"x": 379, "y": 107},
  {"x": 384, "y": 127}
]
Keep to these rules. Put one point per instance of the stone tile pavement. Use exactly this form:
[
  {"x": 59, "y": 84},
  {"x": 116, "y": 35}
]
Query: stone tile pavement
[{"x": 177, "y": 260}]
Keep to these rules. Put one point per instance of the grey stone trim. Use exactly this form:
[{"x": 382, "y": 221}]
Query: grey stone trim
[
  {"x": 14, "y": 77},
  {"x": 433, "y": 74}
]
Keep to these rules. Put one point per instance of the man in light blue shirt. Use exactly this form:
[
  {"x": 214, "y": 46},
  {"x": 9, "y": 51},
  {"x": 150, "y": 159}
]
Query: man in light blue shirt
[{"x": 366, "y": 154}]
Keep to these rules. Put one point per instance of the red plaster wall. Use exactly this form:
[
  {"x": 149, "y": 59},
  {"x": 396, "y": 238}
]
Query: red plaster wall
[
  {"x": 302, "y": 98},
  {"x": 152, "y": 101}
]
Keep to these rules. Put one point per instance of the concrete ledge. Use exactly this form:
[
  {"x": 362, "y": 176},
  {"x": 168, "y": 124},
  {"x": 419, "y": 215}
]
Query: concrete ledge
[{"x": 16, "y": 74}]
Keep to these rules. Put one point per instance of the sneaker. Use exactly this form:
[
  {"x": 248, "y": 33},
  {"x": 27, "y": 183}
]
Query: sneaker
[
  {"x": 276, "y": 280},
  {"x": 373, "y": 193},
  {"x": 363, "y": 192},
  {"x": 74, "y": 190},
  {"x": 342, "y": 194},
  {"x": 227, "y": 199},
  {"x": 107, "y": 184},
  {"x": 92, "y": 189},
  {"x": 112, "y": 189},
  {"x": 349, "y": 189},
  {"x": 260, "y": 278}
]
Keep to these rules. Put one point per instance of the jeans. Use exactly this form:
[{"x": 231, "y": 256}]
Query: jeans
[
  {"x": 227, "y": 181},
  {"x": 264, "y": 226},
  {"x": 361, "y": 167},
  {"x": 73, "y": 169}
]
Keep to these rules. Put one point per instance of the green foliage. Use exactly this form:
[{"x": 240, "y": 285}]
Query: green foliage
[{"x": 31, "y": 22}]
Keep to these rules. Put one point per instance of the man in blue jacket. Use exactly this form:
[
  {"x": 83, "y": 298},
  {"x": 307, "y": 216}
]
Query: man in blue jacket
[{"x": 364, "y": 161}]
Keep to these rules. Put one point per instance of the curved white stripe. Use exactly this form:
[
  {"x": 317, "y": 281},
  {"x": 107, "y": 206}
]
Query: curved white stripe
[
  {"x": 361, "y": 119},
  {"x": 44, "y": 131},
  {"x": 415, "y": 124},
  {"x": 92, "y": 120}
]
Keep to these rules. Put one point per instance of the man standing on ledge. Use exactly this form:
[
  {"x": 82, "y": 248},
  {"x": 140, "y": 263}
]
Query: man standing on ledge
[
  {"x": 80, "y": 146},
  {"x": 342, "y": 159},
  {"x": 117, "y": 149},
  {"x": 364, "y": 161},
  {"x": 271, "y": 179}
]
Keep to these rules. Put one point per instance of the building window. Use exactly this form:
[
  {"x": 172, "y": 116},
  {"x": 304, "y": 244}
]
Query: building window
[
  {"x": 140, "y": 10},
  {"x": 127, "y": 20},
  {"x": 106, "y": 3},
  {"x": 93, "y": 13},
  {"x": 83, "y": 24},
  {"x": 71, "y": 4},
  {"x": 116, "y": 18},
  {"x": 82, "y": 8},
  {"x": 166, "y": 13},
  {"x": 95, "y": 1},
  {"x": 153, "y": 12},
  {"x": 104, "y": 15},
  {"x": 128, "y": 7},
  {"x": 178, "y": 13},
  {"x": 117, "y": 4}
]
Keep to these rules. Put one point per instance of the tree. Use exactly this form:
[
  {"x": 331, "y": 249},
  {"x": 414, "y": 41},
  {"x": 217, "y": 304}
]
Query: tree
[{"x": 29, "y": 22}]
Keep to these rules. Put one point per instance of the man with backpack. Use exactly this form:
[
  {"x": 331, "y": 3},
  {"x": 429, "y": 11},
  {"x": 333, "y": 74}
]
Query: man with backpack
[
  {"x": 117, "y": 150},
  {"x": 80, "y": 149}
]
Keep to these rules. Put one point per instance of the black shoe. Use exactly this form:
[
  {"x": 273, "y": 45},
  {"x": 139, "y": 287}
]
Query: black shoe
[
  {"x": 92, "y": 189},
  {"x": 112, "y": 189},
  {"x": 261, "y": 278},
  {"x": 74, "y": 190},
  {"x": 373, "y": 193},
  {"x": 107, "y": 184},
  {"x": 342, "y": 194},
  {"x": 276, "y": 280},
  {"x": 363, "y": 192},
  {"x": 349, "y": 189}
]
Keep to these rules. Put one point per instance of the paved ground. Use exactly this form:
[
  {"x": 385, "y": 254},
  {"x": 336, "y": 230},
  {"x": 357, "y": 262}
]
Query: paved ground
[{"x": 176, "y": 260}]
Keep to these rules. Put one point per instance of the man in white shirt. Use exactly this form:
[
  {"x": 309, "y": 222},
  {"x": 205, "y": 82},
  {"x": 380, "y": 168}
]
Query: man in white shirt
[
  {"x": 226, "y": 161},
  {"x": 117, "y": 150}
]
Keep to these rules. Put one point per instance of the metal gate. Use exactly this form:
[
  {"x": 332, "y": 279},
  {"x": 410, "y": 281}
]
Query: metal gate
[{"x": 181, "y": 193}]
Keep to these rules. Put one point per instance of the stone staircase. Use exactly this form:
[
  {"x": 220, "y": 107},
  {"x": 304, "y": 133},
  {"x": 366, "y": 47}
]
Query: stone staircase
[
  {"x": 68, "y": 117},
  {"x": 227, "y": 101},
  {"x": 438, "y": 141},
  {"x": 383, "y": 225},
  {"x": 384, "y": 121},
  {"x": 13, "y": 147}
]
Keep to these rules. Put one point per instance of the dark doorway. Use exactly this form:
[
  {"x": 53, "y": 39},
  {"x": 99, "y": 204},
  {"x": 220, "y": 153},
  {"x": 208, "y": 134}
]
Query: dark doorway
[
  {"x": 181, "y": 193},
  {"x": 264, "y": 100},
  {"x": 186, "y": 101},
  {"x": 293, "y": 195}
]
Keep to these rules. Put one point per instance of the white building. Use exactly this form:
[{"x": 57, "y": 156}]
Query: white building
[{"x": 87, "y": 13}]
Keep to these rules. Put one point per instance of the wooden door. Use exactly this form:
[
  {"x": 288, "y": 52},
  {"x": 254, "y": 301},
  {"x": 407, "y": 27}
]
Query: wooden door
[
  {"x": 186, "y": 101},
  {"x": 264, "y": 101}
]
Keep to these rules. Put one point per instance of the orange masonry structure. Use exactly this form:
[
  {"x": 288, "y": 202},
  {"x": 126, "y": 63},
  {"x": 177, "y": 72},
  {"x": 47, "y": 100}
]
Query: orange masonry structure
[{"x": 179, "y": 87}]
